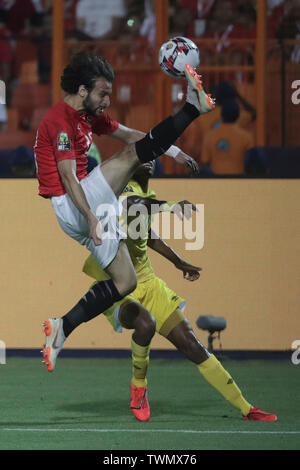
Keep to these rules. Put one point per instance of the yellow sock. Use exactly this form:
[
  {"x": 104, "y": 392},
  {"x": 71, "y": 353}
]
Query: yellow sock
[
  {"x": 213, "y": 371},
  {"x": 140, "y": 361}
]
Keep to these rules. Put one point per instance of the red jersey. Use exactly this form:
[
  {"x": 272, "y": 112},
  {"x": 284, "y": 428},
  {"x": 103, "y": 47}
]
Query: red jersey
[{"x": 64, "y": 134}]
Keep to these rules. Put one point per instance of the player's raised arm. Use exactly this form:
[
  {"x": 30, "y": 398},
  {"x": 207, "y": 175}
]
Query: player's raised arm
[
  {"x": 129, "y": 136},
  {"x": 67, "y": 172},
  {"x": 154, "y": 206},
  {"x": 190, "y": 272}
]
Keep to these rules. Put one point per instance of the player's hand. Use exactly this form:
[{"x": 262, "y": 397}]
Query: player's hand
[
  {"x": 190, "y": 272},
  {"x": 184, "y": 209},
  {"x": 184, "y": 159},
  {"x": 95, "y": 230}
]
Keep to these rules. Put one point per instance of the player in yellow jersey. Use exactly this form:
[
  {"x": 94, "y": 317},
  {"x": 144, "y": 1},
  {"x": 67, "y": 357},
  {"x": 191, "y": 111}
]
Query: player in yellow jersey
[{"x": 153, "y": 306}]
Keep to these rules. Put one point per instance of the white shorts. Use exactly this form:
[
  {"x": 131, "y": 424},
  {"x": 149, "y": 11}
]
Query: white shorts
[{"x": 104, "y": 205}]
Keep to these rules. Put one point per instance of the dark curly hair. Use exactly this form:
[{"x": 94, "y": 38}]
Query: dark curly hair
[{"x": 85, "y": 69}]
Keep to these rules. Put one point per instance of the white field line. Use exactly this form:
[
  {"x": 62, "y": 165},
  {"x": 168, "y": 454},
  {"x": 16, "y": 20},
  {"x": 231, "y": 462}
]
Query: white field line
[{"x": 182, "y": 431}]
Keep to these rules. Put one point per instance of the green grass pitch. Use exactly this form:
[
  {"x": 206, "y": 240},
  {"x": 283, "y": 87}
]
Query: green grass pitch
[{"x": 84, "y": 405}]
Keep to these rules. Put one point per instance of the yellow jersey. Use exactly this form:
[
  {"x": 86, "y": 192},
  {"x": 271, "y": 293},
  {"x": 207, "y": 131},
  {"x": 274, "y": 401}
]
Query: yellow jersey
[{"x": 137, "y": 247}]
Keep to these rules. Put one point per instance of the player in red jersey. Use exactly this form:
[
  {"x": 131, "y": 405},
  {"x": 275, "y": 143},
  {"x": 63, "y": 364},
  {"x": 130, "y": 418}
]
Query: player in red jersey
[{"x": 86, "y": 206}]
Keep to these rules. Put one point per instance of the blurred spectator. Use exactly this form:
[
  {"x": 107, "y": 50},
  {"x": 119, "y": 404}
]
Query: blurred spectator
[
  {"x": 23, "y": 165},
  {"x": 22, "y": 15},
  {"x": 5, "y": 47},
  {"x": 3, "y": 117},
  {"x": 138, "y": 34},
  {"x": 131, "y": 30},
  {"x": 271, "y": 4},
  {"x": 245, "y": 21},
  {"x": 225, "y": 147},
  {"x": 70, "y": 7},
  {"x": 200, "y": 8},
  {"x": 256, "y": 163},
  {"x": 180, "y": 21},
  {"x": 192, "y": 139},
  {"x": 198, "y": 11},
  {"x": 221, "y": 23},
  {"x": 234, "y": 19},
  {"x": 44, "y": 48},
  {"x": 227, "y": 90},
  {"x": 275, "y": 13},
  {"x": 101, "y": 19},
  {"x": 290, "y": 27},
  {"x": 25, "y": 21},
  {"x": 17, "y": 163},
  {"x": 148, "y": 27}
]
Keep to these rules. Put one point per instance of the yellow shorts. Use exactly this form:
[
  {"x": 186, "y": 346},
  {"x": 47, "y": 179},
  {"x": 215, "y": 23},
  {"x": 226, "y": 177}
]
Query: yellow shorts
[{"x": 158, "y": 299}]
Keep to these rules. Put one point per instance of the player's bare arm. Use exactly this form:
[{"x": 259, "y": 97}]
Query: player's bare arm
[
  {"x": 129, "y": 136},
  {"x": 67, "y": 171},
  {"x": 156, "y": 243}
]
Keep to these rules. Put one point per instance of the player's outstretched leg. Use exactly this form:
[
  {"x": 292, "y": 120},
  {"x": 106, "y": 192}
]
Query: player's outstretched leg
[
  {"x": 123, "y": 164},
  {"x": 183, "y": 337},
  {"x": 133, "y": 316},
  {"x": 101, "y": 296},
  {"x": 98, "y": 299},
  {"x": 160, "y": 138}
]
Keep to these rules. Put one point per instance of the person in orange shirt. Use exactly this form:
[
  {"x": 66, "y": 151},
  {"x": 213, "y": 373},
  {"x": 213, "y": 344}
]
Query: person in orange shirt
[
  {"x": 192, "y": 139},
  {"x": 225, "y": 147},
  {"x": 227, "y": 90}
]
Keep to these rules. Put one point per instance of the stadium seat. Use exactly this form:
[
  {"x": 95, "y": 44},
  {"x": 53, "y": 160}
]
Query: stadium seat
[
  {"x": 12, "y": 119},
  {"x": 13, "y": 162},
  {"x": 29, "y": 72},
  {"x": 141, "y": 117},
  {"x": 25, "y": 51},
  {"x": 28, "y": 96},
  {"x": 273, "y": 162},
  {"x": 37, "y": 116}
]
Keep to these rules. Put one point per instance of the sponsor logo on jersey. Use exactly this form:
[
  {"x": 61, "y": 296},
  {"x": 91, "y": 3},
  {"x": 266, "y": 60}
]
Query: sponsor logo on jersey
[
  {"x": 128, "y": 189},
  {"x": 223, "y": 145}
]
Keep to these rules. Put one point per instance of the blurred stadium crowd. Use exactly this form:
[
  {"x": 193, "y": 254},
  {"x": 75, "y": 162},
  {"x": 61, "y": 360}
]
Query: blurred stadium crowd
[{"x": 124, "y": 32}]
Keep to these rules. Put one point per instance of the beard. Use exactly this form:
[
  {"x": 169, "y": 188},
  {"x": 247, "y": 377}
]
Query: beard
[{"x": 89, "y": 107}]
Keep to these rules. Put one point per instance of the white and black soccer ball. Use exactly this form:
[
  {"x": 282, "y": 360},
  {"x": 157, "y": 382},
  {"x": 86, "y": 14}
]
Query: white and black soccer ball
[{"x": 175, "y": 54}]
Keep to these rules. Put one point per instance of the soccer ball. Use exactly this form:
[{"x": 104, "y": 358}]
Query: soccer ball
[{"x": 175, "y": 54}]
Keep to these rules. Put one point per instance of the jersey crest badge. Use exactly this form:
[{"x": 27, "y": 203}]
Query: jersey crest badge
[
  {"x": 128, "y": 189},
  {"x": 63, "y": 141}
]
